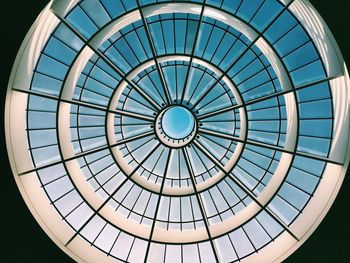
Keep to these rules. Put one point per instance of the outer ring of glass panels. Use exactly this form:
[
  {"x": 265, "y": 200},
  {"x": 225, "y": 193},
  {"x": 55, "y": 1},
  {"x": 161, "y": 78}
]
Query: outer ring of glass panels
[
  {"x": 218, "y": 229},
  {"x": 283, "y": 246}
]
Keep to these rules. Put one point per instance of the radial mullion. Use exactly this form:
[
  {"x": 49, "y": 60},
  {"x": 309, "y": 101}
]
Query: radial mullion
[
  {"x": 192, "y": 214},
  {"x": 158, "y": 205},
  {"x": 107, "y": 164},
  {"x": 74, "y": 209},
  {"x": 92, "y": 91},
  {"x": 304, "y": 65},
  {"x": 136, "y": 201},
  {"x": 87, "y": 105},
  {"x": 202, "y": 162},
  {"x": 231, "y": 47},
  {"x": 130, "y": 124},
  {"x": 218, "y": 213},
  {"x": 143, "y": 215},
  {"x": 42, "y": 147},
  {"x": 250, "y": 240},
  {"x": 133, "y": 115},
  {"x": 89, "y": 76},
  {"x": 267, "y": 97},
  {"x": 62, "y": 196},
  {"x": 130, "y": 48},
  {"x": 148, "y": 77},
  {"x": 242, "y": 54},
  {"x": 229, "y": 206},
  {"x": 216, "y": 98},
  {"x": 161, "y": 26},
  {"x": 112, "y": 46},
  {"x": 139, "y": 102},
  {"x": 220, "y": 121},
  {"x": 86, "y": 126},
  {"x": 133, "y": 138},
  {"x": 226, "y": 31},
  {"x": 210, "y": 156},
  {"x": 96, "y": 65},
  {"x": 110, "y": 179},
  {"x": 271, "y": 80},
  {"x": 213, "y": 25},
  {"x": 41, "y": 111},
  {"x": 89, "y": 152},
  {"x": 265, "y": 169},
  {"x": 154, "y": 53},
  {"x": 199, "y": 201},
  {"x": 265, "y": 68},
  {"x": 296, "y": 48},
  {"x": 196, "y": 38},
  {"x": 93, "y": 175},
  {"x": 219, "y": 144},
  {"x": 220, "y": 135},
  {"x": 298, "y": 153},
  {"x": 168, "y": 216},
  {"x": 247, "y": 65},
  {"x": 244, "y": 189},
  {"x": 87, "y": 138},
  {"x": 120, "y": 203},
  {"x": 136, "y": 149},
  {"x": 141, "y": 42},
  {"x": 269, "y": 132},
  {"x": 176, "y": 74},
  {"x": 108, "y": 61},
  {"x": 87, "y": 114},
  {"x": 55, "y": 59},
  {"x": 112, "y": 194},
  {"x": 197, "y": 86},
  {"x": 268, "y": 146}
]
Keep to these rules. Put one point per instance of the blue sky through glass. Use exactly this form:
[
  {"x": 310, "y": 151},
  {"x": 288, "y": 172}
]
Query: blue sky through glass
[
  {"x": 198, "y": 95},
  {"x": 178, "y": 122}
]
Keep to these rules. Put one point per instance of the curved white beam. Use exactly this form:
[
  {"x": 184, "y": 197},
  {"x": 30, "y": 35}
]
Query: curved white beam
[{"x": 48, "y": 218}]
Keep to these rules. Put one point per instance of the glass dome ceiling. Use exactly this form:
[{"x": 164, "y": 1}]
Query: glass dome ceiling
[{"x": 178, "y": 131}]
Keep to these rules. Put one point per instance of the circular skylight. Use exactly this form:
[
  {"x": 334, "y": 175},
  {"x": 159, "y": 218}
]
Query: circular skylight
[
  {"x": 178, "y": 131},
  {"x": 177, "y": 123}
]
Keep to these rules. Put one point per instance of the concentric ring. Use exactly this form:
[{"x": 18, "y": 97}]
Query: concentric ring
[{"x": 256, "y": 160}]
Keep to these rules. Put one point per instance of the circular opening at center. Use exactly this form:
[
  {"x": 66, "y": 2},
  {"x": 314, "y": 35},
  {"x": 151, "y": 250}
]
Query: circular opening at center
[{"x": 177, "y": 122}]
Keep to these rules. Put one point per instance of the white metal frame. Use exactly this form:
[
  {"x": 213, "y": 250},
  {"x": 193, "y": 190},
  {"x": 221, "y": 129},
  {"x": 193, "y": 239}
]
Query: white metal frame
[{"x": 79, "y": 249}]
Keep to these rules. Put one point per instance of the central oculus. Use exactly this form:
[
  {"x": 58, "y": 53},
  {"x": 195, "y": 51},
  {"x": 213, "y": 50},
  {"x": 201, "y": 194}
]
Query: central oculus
[
  {"x": 176, "y": 126},
  {"x": 177, "y": 122}
]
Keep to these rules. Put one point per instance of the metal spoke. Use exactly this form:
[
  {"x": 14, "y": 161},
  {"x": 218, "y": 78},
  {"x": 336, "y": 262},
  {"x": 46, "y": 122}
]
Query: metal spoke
[
  {"x": 207, "y": 103},
  {"x": 199, "y": 201},
  {"x": 88, "y": 105},
  {"x": 218, "y": 112},
  {"x": 192, "y": 52},
  {"x": 266, "y": 145},
  {"x": 112, "y": 194},
  {"x": 244, "y": 188},
  {"x": 267, "y": 97},
  {"x": 89, "y": 152},
  {"x": 199, "y": 150},
  {"x": 158, "y": 205},
  {"x": 154, "y": 53},
  {"x": 109, "y": 62},
  {"x": 220, "y": 135},
  {"x": 134, "y": 115},
  {"x": 241, "y": 55}
]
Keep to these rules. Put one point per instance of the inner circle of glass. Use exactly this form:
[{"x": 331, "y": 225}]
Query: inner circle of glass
[
  {"x": 167, "y": 132},
  {"x": 178, "y": 181},
  {"x": 177, "y": 122}
]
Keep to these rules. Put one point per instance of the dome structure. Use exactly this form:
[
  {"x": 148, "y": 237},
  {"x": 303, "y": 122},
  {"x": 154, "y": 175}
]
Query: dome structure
[{"x": 178, "y": 131}]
